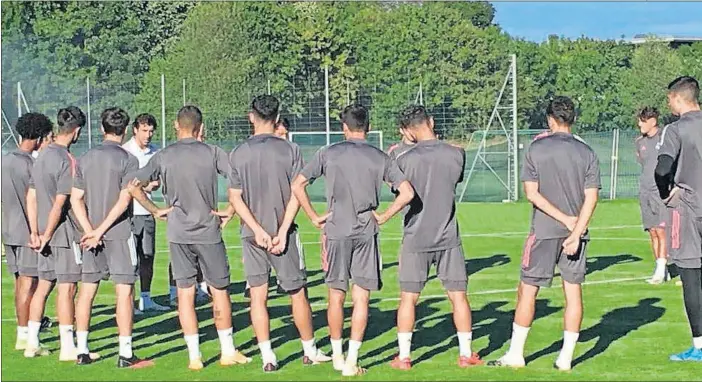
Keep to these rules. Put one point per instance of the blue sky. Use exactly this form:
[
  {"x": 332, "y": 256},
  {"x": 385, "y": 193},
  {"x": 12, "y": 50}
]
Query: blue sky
[{"x": 603, "y": 20}]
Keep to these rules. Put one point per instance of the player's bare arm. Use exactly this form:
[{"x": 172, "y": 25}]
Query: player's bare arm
[
  {"x": 53, "y": 220},
  {"x": 299, "y": 189},
  {"x": 32, "y": 216},
  {"x": 225, "y": 216},
  {"x": 78, "y": 207},
  {"x": 139, "y": 195},
  {"x": 571, "y": 244},
  {"x": 280, "y": 241},
  {"x": 406, "y": 194},
  {"x": 263, "y": 238},
  {"x": 531, "y": 189}
]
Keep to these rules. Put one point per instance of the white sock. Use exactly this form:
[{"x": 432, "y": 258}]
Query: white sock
[
  {"x": 193, "y": 343},
  {"x": 309, "y": 348},
  {"x": 266, "y": 352},
  {"x": 203, "y": 287},
  {"x": 404, "y": 341},
  {"x": 125, "y": 346},
  {"x": 33, "y": 335},
  {"x": 569, "y": 341},
  {"x": 226, "y": 341},
  {"x": 352, "y": 357},
  {"x": 22, "y": 332},
  {"x": 697, "y": 342},
  {"x": 337, "y": 348},
  {"x": 519, "y": 336},
  {"x": 660, "y": 268},
  {"x": 464, "y": 340},
  {"x": 66, "y": 334},
  {"x": 173, "y": 292},
  {"x": 82, "y": 339}
]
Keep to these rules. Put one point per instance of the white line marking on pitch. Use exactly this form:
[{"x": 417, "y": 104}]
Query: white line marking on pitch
[{"x": 433, "y": 296}]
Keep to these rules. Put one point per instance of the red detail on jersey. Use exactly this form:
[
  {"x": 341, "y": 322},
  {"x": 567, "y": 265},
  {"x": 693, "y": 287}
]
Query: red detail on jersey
[
  {"x": 393, "y": 147},
  {"x": 542, "y": 135},
  {"x": 526, "y": 255},
  {"x": 325, "y": 261},
  {"x": 73, "y": 164},
  {"x": 675, "y": 231}
]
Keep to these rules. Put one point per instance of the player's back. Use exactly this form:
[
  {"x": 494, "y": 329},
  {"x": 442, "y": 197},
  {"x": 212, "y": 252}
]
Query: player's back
[
  {"x": 52, "y": 174},
  {"x": 688, "y": 175},
  {"x": 564, "y": 166},
  {"x": 354, "y": 172},
  {"x": 102, "y": 173},
  {"x": 16, "y": 174},
  {"x": 263, "y": 167},
  {"x": 434, "y": 168},
  {"x": 188, "y": 170}
]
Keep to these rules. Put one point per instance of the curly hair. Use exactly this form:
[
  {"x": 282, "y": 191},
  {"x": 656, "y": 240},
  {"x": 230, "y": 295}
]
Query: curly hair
[{"x": 34, "y": 126}]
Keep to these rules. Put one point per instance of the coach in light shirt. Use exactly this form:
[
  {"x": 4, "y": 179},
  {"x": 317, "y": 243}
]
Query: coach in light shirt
[{"x": 143, "y": 223}]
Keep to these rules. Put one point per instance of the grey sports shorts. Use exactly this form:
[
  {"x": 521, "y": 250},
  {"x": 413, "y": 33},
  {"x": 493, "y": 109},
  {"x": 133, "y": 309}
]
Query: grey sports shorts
[
  {"x": 60, "y": 264},
  {"x": 450, "y": 269},
  {"x": 211, "y": 258},
  {"x": 144, "y": 230},
  {"x": 115, "y": 259},
  {"x": 654, "y": 213},
  {"x": 685, "y": 237},
  {"x": 352, "y": 259},
  {"x": 541, "y": 256},
  {"x": 289, "y": 266},
  {"x": 21, "y": 260}
]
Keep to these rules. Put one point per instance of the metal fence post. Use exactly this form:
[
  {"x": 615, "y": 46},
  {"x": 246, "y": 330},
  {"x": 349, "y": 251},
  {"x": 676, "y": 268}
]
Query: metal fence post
[
  {"x": 326, "y": 101},
  {"x": 90, "y": 125},
  {"x": 163, "y": 111}
]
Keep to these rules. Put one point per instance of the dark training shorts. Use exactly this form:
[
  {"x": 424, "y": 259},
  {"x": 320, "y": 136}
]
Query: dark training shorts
[
  {"x": 352, "y": 259},
  {"x": 210, "y": 258},
  {"x": 541, "y": 256},
  {"x": 450, "y": 269}
]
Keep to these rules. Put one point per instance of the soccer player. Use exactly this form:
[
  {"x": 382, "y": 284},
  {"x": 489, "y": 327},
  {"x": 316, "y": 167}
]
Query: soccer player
[
  {"x": 431, "y": 236},
  {"x": 354, "y": 172},
  {"x": 654, "y": 213},
  {"x": 561, "y": 179},
  {"x": 402, "y": 146},
  {"x": 143, "y": 223},
  {"x": 188, "y": 170},
  {"x": 101, "y": 185},
  {"x": 679, "y": 182},
  {"x": 281, "y": 131},
  {"x": 16, "y": 174},
  {"x": 53, "y": 233},
  {"x": 262, "y": 168}
]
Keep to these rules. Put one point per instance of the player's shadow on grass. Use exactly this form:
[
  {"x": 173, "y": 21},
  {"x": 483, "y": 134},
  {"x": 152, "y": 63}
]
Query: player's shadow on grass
[
  {"x": 600, "y": 263},
  {"x": 612, "y": 327}
]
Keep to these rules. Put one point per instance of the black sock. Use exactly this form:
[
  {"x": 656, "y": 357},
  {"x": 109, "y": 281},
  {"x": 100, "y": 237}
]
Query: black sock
[{"x": 692, "y": 294}]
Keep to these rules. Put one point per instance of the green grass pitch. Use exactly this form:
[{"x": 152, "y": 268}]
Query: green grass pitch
[{"x": 628, "y": 332}]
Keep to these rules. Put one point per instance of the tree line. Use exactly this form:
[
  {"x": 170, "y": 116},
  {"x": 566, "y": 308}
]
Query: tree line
[{"x": 377, "y": 53}]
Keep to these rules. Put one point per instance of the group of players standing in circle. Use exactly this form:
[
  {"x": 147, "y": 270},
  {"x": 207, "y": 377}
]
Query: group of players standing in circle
[{"x": 68, "y": 220}]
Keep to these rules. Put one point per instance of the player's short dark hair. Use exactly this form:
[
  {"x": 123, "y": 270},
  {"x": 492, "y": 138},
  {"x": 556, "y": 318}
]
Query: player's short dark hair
[
  {"x": 34, "y": 126},
  {"x": 189, "y": 117},
  {"x": 114, "y": 121},
  {"x": 562, "y": 109},
  {"x": 285, "y": 123},
  {"x": 265, "y": 107},
  {"x": 144, "y": 119},
  {"x": 687, "y": 87},
  {"x": 413, "y": 115},
  {"x": 647, "y": 113},
  {"x": 70, "y": 118},
  {"x": 356, "y": 117}
]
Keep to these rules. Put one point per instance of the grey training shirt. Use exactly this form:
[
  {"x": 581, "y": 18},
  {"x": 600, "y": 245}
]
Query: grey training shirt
[
  {"x": 52, "y": 175},
  {"x": 16, "y": 176},
  {"x": 647, "y": 156},
  {"x": 434, "y": 169},
  {"x": 682, "y": 140},
  {"x": 102, "y": 173},
  {"x": 263, "y": 167},
  {"x": 564, "y": 166},
  {"x": 354, "y": 171},
  {"x": 188, "y": 170}
]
